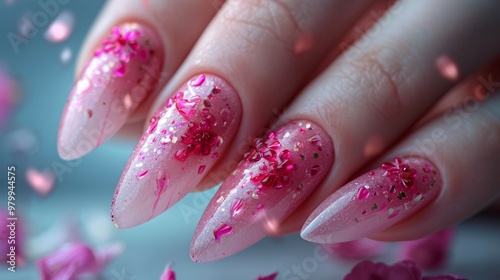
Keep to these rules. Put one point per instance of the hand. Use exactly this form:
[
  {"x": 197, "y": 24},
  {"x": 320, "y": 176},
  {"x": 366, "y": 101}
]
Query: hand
[{"x": 379, "y": 104}]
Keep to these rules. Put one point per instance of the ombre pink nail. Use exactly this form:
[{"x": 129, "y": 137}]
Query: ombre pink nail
[
  {"x": 122, "y": 72},
  {"x": 374, "y": 201},
  {"x": 184, "y": 140},
  {"x": 275, "y": 178}
]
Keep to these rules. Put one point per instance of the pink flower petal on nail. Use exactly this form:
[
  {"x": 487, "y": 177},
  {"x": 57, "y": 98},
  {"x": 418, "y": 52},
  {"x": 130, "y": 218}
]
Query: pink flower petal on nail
[
  {"x": 42, "y": 182},
  {"x": 223, "y": 229},
  {"x": 367, "y": 270},
  {"x": 168, "y": 273},
  {"x": 431, "y": 252},
  {"x": 61, "y": 27}
]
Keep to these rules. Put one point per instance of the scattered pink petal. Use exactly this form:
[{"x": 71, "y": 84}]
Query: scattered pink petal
[
  {"x": 61, "y": 27},
  {"x": 7, "y": 96},
  {"x": 68, "y": 262},
  {"x": 76, "y": 259},
  {"x": 444, "y": 277},
  {"x": 357, "y": 249},
  {"x": 405, "y": 270},
  {"x": 429, "y": 253},
  {"x": 41, "y": 182},
  {"x": 268, "y": 277},
  {"x": 66, "y": 56},
  {"x": 368, "y": 270},
  {"x": 5, "y": 231},
  {"x": 168, "y": 273},
  {"x": 447, "y": 68}
]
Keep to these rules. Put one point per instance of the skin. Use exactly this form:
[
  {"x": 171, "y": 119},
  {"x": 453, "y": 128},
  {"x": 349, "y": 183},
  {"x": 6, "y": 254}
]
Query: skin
[{"x": 367, "y": 90}]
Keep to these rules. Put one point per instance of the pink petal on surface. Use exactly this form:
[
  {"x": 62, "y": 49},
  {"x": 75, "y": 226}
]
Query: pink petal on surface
[
  {"x": 168, "y": 273},
  {"x": 268, "y": 277},
  {"x": 41, "y": 182},
  {"x": 444, "y": 277},
  {"x": 7, "y": 96},
  {"x": 358, "y": 249},
  {"x": 368, "y": 270},
  {"x": 61, "y": 27},
  {"x": 429, "y": 253},
  {"x": 67, "y": 263},
  {"x": 76, "y": 259}
]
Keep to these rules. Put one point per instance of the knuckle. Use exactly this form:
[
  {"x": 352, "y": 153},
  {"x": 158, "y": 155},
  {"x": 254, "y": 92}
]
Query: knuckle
[
  {"x": 380, "y": 77},
  {"x": 257, "y": 21}
]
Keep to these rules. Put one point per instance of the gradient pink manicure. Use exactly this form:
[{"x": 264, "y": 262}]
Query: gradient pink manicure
[
  {"x": 276, "y": 176},
  {"x": 374, "y": 201},
  {"x": 123, "y": 71},
  {"x": 182, "y": 143}
]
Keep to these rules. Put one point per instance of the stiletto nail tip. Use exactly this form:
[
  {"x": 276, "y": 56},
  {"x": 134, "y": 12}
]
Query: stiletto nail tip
[
  {"x": 182, "y": 143},
  {"x": 374, "y": 201},
  {"x": 124, "y": 69}
]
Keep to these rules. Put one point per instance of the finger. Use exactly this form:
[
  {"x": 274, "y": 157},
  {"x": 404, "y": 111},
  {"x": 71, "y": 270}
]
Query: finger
[
  {"x": 379, "y": 88},
  {"x": 447, "y": 173},
  {"x": 129, "y": 54},
  {"x": 249, "y": 53},
  {"x": 351, "y": 103}
]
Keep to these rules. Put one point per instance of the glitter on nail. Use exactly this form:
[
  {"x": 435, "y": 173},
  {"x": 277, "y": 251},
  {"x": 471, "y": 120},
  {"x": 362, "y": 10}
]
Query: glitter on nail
[
  {"x": 198, "y": 81},
  {"x": 201, "y": 169},
  {"x": 222, "y": 229},
  {"x": 142, "y": 174},
  {"x": 89, "y": 113},
  {"x": 315, "y": 169},
  {"x": 418, "y": 198}
]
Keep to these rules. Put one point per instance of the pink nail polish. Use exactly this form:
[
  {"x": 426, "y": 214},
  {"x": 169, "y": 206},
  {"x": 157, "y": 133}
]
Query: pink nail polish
[
  {"x": 184, "y": 140},
  {"x": 124, "y": 70},
  {"x": 374, "y": 201},
  {"x": 275, "y": 178}
]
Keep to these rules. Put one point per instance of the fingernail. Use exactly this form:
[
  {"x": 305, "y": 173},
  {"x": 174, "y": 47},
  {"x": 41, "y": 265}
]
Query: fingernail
[
  {"x": 275, "y": 178},
  {"x": 124, "y": 69},
  {"x": 374, "y": 201},
  {"x": 184, "y": 140}
]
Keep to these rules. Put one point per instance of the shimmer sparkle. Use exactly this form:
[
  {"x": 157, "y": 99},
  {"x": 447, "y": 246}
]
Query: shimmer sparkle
[
  {"x": 276, "y": 175},
  {"x": 178, "y": 149},
  {"x": 374, "y": 201},
  {"x": 124, "y": 69}
]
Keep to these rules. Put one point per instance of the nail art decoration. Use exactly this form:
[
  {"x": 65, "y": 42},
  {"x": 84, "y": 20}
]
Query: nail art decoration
[
  {"x": 124, "y": 69},
  {"x": 278, "y": 173},
  {"x": 177, "y": 150},
  {"x": 374, "y": 201}
]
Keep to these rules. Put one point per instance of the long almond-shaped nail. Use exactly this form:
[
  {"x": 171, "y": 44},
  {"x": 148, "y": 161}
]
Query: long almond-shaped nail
[
  {"x": 124, "y": 69},
  {"x": 184, "y": 140},
  {"x": 275, "y": 178},
  {"x": 374, "y": 201}
]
